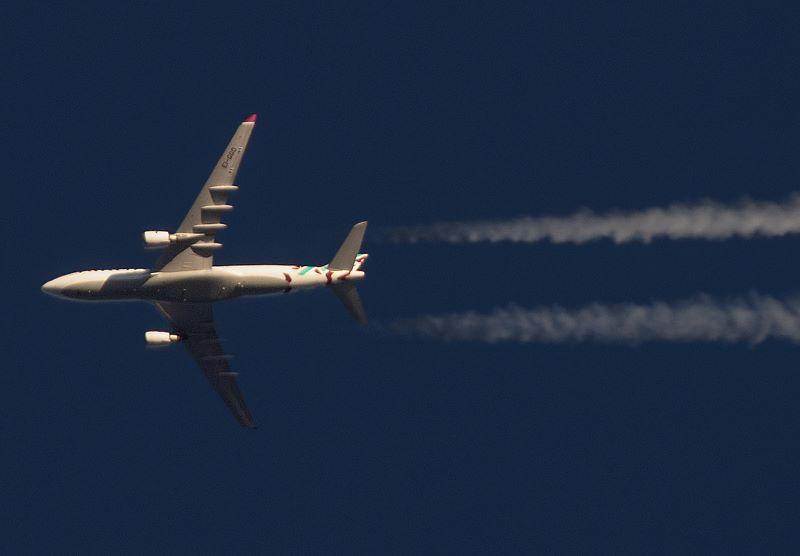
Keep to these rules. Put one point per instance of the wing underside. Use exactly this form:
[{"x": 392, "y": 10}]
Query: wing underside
[
  {"x": 194, "y": 322},
  {"x": 205, "y": 215}
]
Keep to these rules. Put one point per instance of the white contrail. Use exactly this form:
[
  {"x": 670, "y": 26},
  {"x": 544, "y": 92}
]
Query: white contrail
[
  {"x": 702, "y": 220},
  {"x": 752, "y": 319}
]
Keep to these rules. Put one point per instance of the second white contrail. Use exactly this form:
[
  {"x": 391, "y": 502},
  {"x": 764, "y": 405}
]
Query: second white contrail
[
  {"x": 750, "y": 319},
  {"x": 706, "y": 219}
]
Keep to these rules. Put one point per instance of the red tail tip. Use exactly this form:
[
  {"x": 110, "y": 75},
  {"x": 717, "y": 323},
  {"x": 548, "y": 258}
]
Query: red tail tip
[{"x": 251, "y": 118}]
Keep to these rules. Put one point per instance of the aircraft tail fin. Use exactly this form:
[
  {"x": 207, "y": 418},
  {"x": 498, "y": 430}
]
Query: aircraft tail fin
[
  {"x": 348, "y": 258},
  {"x": 348, "y": 295},
  {"x": 345, "y": 257}
]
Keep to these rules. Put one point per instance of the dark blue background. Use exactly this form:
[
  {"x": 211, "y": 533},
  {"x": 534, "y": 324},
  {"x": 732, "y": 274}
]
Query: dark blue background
[{"x": 398, "y": 114}]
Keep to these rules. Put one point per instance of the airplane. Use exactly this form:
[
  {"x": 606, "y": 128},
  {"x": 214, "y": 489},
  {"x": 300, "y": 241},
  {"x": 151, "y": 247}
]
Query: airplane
[{"x": 184, "y": 283}]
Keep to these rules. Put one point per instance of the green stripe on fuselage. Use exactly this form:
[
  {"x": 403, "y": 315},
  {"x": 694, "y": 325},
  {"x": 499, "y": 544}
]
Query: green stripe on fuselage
[{"x": 306, "y": 270}]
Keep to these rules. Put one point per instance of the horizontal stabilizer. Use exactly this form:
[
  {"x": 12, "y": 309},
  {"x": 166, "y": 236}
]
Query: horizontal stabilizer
[
  {"x": 346, "y": 255},
  {"x": 348, "y": 295}
]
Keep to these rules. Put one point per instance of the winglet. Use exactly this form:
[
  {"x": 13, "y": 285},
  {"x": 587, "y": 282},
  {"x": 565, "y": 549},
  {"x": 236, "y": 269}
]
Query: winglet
[{"x": 251, "y": 118}]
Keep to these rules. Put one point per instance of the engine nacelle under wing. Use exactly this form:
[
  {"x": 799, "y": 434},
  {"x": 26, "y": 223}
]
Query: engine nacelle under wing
[
  {"x": 156, "y": 240},
  {"x": 160, "y": 239},
  {"x": 157, "y": 338}
]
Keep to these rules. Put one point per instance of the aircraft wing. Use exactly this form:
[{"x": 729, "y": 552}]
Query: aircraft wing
[
  {"x": 194, "y": 322},
  {"x": 206, "y": 213}
]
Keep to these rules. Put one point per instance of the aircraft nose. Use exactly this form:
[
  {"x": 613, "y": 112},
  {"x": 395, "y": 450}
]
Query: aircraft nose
[{"x": 53, "y": 287}]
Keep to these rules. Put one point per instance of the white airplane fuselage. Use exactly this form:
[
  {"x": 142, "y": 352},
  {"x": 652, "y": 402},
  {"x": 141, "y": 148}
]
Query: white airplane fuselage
[
  {"x": 215, "y": 284},
  {"x": 183, "y": 283}
]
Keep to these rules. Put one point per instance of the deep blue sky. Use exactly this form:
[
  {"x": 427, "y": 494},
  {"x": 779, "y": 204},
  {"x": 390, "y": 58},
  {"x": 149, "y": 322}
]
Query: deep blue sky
[{"x": 402, "y": 113}]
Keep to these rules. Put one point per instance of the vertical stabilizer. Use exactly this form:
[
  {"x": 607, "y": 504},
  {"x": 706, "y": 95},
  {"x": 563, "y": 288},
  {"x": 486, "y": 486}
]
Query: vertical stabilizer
[{"x": 346, "y": 255}]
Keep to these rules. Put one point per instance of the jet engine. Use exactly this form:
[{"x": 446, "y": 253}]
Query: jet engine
[
  {"x": 156, "y": 240},
  {"x": 160, "y": 239},
  {"x": 157, "y": 338}
]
